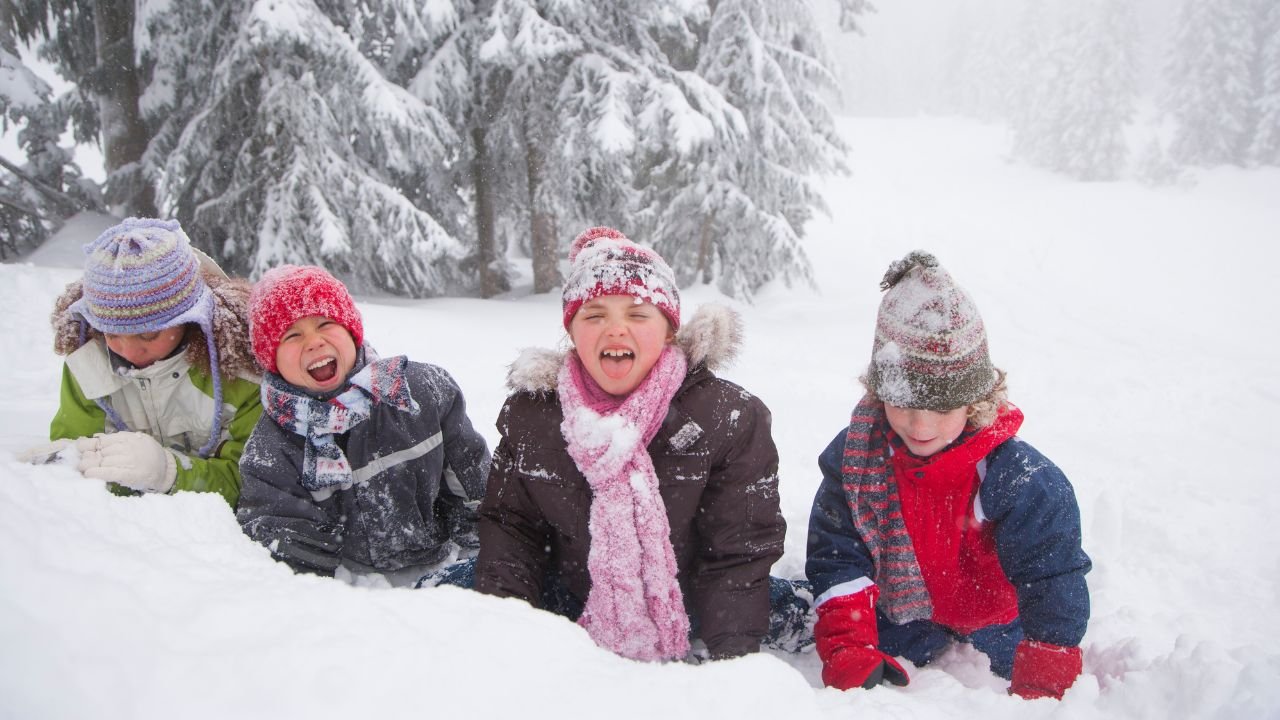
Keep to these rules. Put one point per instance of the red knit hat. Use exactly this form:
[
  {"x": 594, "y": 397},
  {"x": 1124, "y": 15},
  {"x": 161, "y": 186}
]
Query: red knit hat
[
  {"x": 605, "y": 262},
  {"x": 289, "y": 293}
]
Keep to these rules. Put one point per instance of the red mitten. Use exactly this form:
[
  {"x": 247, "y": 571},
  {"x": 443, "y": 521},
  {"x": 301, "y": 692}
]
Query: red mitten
[
  {"x": 846, "y": 636},
  {"x": 1044, "y": 670}
]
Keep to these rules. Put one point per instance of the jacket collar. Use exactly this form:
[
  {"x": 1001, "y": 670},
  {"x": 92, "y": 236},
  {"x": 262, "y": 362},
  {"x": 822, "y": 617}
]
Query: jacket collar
[
  {"x": 966, "y": 451},
  {"x": 91, "y": 365},
  {"x": 710, "y": 340}
]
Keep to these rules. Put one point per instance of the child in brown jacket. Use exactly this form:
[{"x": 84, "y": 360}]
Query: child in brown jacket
[{"x": 632, "y": 489}]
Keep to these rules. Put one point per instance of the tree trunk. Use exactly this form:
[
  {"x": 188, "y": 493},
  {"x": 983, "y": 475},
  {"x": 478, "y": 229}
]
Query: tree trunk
[
  {"x": 542, "y": 224},
  {"x": 7, "y": 43},
  {"x": 124, "y": 136},
  {"x": 491, "y": 281},
  {"x": 705, "y": 247}
]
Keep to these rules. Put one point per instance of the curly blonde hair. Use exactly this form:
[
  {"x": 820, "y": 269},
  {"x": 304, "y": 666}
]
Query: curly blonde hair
[{"x": 981, "y": 412}]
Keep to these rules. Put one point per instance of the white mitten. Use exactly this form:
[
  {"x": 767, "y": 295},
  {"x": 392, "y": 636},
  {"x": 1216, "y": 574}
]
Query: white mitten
[
  {"x": 45, "y": 453},
  {"x": 132, "y": 459}
]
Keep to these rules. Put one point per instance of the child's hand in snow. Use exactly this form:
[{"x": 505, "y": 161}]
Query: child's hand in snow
[
  {"x": 44, "y": 453},
  {"x": 848, "y": 639},
  {"x": 132, "y": 459},
  {"x": 1042, "y": 669}
]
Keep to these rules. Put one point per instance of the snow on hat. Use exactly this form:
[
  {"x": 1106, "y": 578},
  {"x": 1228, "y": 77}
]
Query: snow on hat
[
  {"x": 143, "y": 276},
  {"x": 605, "y": 262},
  {"x": 287, "y": 294},
  {"x": 930, "y": 349}
]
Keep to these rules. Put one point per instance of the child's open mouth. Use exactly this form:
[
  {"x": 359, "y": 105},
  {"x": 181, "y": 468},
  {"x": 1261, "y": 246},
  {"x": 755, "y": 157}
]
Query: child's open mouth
[
  {"x": 323, "y": 370},
  {"x": 616, "y": 363}
]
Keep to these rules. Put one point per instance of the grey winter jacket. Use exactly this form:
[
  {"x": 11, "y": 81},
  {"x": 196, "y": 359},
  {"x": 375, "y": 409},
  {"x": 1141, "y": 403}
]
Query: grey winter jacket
[{"x": 419, "y": 479}]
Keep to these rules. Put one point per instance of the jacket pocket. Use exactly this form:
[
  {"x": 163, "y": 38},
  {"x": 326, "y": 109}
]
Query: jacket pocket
[{"x": 682, "y": 478}]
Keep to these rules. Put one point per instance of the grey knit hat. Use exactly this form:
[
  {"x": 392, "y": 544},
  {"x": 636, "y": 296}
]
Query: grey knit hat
[{"x": 930, "y": 349}]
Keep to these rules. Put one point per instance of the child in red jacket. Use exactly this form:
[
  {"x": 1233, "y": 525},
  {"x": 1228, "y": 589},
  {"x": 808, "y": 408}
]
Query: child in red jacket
[{"x": 934, "y": 522}]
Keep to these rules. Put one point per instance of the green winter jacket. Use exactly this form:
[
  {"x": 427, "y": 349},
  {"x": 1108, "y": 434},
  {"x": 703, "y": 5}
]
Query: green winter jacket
[{"x": 169, "y": 400}]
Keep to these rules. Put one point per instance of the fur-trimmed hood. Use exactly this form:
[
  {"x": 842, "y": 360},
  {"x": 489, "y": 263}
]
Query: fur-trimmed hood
[
  {"x": 230, "y": 326},
  {"x": 711, "y": 338}
]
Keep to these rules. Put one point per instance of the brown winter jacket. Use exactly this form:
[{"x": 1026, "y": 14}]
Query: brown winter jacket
[{"x": 717, "y": 468}]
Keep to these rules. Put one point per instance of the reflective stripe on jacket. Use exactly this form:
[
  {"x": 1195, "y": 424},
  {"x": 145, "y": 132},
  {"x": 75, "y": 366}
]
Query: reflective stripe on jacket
[{"x": 418, "y": 480}]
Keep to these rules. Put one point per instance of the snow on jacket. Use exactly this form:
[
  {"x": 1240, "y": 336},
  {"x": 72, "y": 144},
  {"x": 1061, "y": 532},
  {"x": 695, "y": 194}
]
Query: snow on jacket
[
  {"x": 171, "y": 400},
  {"x": 717, "y": 473},
  {"x": 1026, "y": 514},
  {"x": 419, "y": 479}
]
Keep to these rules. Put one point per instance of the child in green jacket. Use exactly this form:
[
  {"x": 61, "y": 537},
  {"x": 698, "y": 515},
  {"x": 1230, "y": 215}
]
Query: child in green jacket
[{"x": 159, "y": 386}]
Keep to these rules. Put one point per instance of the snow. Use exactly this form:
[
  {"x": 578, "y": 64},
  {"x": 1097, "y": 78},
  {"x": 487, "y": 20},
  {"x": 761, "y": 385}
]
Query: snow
[
  {"x": 1137, "y": 326},
  {"x": 19, "y": 86},
  {"x": 672, "y": 113},
  {"x": 65, "y": 248}
]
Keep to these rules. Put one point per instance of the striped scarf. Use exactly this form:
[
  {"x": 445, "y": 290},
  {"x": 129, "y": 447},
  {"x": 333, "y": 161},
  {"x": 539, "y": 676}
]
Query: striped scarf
[
  {"x": 325, "y": 468},
  {"x": 877, "y": 515}
]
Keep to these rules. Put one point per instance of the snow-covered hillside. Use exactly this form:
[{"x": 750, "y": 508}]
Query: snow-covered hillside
[{"x": 1138, "y": 326}]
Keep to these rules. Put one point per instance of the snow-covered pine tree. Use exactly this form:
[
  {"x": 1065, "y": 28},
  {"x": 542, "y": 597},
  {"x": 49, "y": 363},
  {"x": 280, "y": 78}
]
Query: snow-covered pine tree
[
  {"x": 468, "y": 78},
  {"x": 91, "y": 45},
  {"x": 1210, "y": 86},
  {"x": 37, "y": 196},
  {"x": 1079, "y": 90},
  {"x": 526, "y": 51},
  {"x": 728, "y": 201},
  {"x": 851, "y": 11},
  {"x": 562, "y": 92},
  {"x": 1031, "y": 93},
  {"x": 1103, "y": 91},
  {"x": 980, "y": 70},
  {"x": 1265, "y": 148},
  {"x": 395, "y": 35},
  {"x": 295, "y": 155},
  {"x": 23, "y": 224},
  {"x": 628, "y": 90}
]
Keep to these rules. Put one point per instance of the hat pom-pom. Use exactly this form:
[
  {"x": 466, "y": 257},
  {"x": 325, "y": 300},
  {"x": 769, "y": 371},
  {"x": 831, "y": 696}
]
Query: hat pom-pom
[
  {"x": 899, "y": 268},
  {"x": 589, "y": 236}
]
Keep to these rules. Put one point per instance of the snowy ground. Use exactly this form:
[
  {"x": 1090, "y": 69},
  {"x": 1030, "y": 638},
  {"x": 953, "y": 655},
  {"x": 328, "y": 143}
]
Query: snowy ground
[{"x": 1138, "y": 326}]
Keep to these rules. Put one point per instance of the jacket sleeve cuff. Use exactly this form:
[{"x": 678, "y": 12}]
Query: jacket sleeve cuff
[{"x": 852, "y": 587}]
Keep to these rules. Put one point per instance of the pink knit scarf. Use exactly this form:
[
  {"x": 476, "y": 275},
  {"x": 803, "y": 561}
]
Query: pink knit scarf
[{"x": 635, "y": 607}]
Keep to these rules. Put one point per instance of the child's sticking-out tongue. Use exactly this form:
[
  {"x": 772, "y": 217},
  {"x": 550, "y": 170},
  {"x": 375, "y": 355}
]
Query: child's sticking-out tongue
[
  {"x": 617, "y": 365},
  {"x": 325, "y": 372}
]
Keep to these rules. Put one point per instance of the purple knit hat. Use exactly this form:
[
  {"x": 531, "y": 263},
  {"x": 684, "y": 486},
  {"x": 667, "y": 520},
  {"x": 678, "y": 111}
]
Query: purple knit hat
[
  {"x": 930, "y": 349},
  {"x": 143, "y": 276}
]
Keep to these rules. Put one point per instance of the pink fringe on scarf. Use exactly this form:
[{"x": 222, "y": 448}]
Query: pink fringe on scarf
[{"x": 635, "y": 607}]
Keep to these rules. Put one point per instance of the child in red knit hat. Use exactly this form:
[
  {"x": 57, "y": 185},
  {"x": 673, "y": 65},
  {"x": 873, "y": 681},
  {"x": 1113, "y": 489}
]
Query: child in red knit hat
[
  {"x": 934, "y": 522},
  {"x": 633, "y": 490},
  {"x": 358, "y": 462}
]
